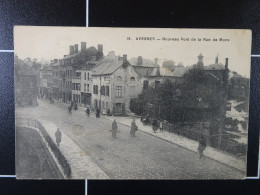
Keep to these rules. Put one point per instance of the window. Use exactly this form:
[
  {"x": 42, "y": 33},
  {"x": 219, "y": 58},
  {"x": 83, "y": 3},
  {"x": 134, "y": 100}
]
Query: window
[
  {"x": 87, "y": 87},
  {"x": 118, "y": 91},
  {"x": 132, "y": 79},
  {"x": 146, "y": 84},
  {"x": 102, "y": 90},
  {"x": 85, "y": 75},
  {"x": 95, "y": 89},
  {"x": 132, "y": 90},
  {"x": 107, "y": 90},
  {"x": 88, "y": 75},
  {"x": 157, "y": 84},
  {"x": 119, "y": 78}
]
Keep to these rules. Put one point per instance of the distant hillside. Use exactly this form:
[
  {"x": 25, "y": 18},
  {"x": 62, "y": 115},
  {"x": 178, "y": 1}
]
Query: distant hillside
[{"x": 146, "y": 62}]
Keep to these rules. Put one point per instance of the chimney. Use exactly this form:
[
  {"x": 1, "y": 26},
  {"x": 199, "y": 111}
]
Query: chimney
[
  {"x": 200, "y": 58},
  {"x": 76, "y": 48},
  {"x": 155, "y": 61},
  {"x": 100, "y": 48},
  {"x": 124, "y": 58},
  {"x": 83, "y": 46},
  {"x": 139, "y": 60},
  {"x": 226, "y": 64},
  {"x": 216, "y": 60},
  {"x": 111, "y": 55},
  {"x": 71, "y": 49}
]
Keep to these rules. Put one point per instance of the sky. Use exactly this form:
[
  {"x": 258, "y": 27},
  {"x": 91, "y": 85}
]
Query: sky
[{"x": 179, "y": 45}]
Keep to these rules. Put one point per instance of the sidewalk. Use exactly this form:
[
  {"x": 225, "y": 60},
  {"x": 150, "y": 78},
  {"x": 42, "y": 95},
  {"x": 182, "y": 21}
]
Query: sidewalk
[
  {"x": 184, "y": 142},
  {"x": 213, "y": 153},
  {"x": 82, "y": 166}
]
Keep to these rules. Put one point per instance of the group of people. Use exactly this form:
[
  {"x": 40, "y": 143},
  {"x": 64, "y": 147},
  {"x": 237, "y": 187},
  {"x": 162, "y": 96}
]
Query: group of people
[
  {"x": 133, "y": 129},
  {"x": 72, "y": 105},
  {"x": 157, "y": 124}
]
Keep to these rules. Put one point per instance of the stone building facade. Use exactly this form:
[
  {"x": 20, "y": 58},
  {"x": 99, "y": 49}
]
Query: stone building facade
[{"x": 115, "y": 82}]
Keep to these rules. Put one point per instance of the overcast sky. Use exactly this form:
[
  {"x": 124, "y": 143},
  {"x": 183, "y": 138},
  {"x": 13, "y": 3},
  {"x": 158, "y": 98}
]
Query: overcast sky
[{"x": 54, "y": 42}]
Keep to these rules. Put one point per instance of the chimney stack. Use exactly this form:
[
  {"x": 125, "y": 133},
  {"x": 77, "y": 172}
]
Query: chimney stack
[
  {"x": 216, "y": 60},
  {"x": 71, "y": 49},
  {"x": 226, "y": 64},
  {"x": 76, "y": 48},
  {"x": 100, "y": 48},
  {"x": 155, "y": 61},
  {"x": 140, "y": 61},
  {"x": 83, "y": 46},
  {"x": 124, "y": 58},
  {"x": 200, "y": 58}
]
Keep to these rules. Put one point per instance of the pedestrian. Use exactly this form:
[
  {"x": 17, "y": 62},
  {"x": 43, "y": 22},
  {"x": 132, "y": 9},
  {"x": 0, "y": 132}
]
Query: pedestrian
[
  {"x": 58, "y": 136},
  {"x": 134, "y": 128},
  {"x": 88, "y": 112},
  {"x": 75, "y": 106},
  {"x": 98, "y": 113},
  {"x": 114, "y": 128},
  {"x": 69, "y": 109},
  {"x": 202, "y": 146},
  {"x": 161, "y": 125},
  {"x": 155, "y": 125}
]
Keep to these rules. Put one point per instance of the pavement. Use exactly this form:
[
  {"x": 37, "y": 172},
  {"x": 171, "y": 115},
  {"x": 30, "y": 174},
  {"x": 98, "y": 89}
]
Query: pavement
[
  {"x": 210, "y": 152},
  {"x": 82, "y": 166},
  {"x": 146, "y": 156}
]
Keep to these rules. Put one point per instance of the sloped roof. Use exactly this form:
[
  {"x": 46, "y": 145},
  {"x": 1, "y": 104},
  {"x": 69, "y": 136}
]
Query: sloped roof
[
  {"x": 179, "y": 71},
  {"x": 215, "y": 67},
  {"x": 146, "y": 62},
  {"x": 144, "y": 71},
  {"x": 106, "y": 66}
]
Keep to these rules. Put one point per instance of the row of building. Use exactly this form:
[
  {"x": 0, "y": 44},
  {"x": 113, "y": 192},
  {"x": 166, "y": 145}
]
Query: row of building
[{"x": 107, "y": 82}]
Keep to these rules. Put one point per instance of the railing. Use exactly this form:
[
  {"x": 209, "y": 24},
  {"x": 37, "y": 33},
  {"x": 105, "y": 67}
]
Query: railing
[{"x": 36, "y": 124}]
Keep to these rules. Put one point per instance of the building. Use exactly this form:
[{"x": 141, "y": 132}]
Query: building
[
  {"x": 154, "y": 76},
  {"x": 25, "y": 84},
  {"x": 56, "y": 80},
  {"x": 77, "y": 60},
  {"x": 46, "y": 82},
  {"x": 115, "y": 82}
]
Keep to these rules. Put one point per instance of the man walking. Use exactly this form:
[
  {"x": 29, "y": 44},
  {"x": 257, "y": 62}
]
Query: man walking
[
  {"x": 202, "y": 146},
  {"x": 88, "y": 112},
  {"x": 154, "y": 125},
  {"x": 134, "y": 128},
  {"x": 114, "y": 128},
  {"x": 58, "y": 136}
]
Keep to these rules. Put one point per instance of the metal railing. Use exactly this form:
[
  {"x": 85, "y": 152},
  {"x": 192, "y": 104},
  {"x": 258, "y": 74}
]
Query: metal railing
[{"x": 30, "y": 123}]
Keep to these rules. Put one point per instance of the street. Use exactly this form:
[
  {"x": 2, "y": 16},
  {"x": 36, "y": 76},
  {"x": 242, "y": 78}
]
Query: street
[{"x": 142, "y": 157}]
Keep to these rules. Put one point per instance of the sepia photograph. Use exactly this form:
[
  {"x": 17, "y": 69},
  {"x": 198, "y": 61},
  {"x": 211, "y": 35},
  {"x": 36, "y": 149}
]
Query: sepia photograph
[{"x": 131, "y": 103}]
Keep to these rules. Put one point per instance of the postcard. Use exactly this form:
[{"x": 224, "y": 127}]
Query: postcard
[{"x": 131, "y": 103}]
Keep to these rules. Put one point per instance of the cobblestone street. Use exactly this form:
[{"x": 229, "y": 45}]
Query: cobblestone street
[{"x": 141, "y": 157}]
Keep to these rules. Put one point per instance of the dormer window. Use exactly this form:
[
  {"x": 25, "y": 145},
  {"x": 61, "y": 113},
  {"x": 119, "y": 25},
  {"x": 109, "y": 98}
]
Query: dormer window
[{"x": 119, "y": 78}]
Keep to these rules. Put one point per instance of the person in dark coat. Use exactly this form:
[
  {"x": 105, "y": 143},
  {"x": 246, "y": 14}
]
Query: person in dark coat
[
  {"x": 134, "y": 128},
  {"x": 58, "y": 136},
  {"x": 69, "y": 109},
  {"x": 88, "y": 112},
  {"x": 75, "y": 106},
  {"x": 202, "y": 146},
  {"x": 98, "y": 113},
  {"x": 114, "y": 128},
  {"x": 155, "y": 125}
]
